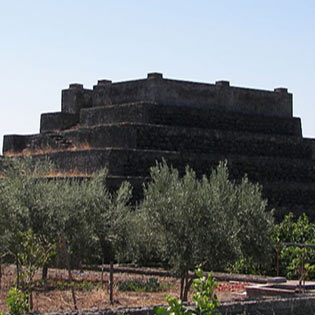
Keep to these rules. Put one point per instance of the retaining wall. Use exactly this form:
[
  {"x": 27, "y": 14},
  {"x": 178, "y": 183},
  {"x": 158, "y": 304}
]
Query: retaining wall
[{"x": 304, "y": 305}]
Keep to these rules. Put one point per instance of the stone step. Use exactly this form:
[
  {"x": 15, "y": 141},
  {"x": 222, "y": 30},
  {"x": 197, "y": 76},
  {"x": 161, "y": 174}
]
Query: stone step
[
  {"x": 152, "y": 113},
  {"x": 265, "y": 290},
  {"x": 132, "y": 162},
  {"x": 52, "y": 122},
  {"x": 165, "y": 138},
  {"x": 288, "y": 288},
  {"x": 220, "y": 141}
]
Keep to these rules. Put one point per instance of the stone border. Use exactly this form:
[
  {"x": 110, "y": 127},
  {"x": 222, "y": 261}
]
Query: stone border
[{"x": 297, "y": 305}]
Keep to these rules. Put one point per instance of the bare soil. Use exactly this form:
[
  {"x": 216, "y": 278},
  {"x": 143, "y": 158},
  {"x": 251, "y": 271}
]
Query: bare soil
[{"x": 51, "y": 298}]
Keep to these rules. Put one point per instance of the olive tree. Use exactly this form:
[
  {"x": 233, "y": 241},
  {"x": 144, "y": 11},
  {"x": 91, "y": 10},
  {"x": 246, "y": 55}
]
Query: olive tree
[
  {"x": 209, "y": 221},
  {"x": 23, "y": 189},
  {"x": 108, "y": 214},
  {"x": 91, "y": 220},
  {"x": 80, "y": 215}
]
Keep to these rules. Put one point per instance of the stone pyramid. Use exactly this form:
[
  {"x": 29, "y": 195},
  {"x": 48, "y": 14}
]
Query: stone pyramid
[{"x": 128, "y": 126}]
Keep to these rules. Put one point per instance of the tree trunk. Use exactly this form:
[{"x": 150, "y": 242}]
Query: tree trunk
[
  {"x": 111, "y": 282},
  {"x": 30, "y": 299},
  {"x": 45, "y": 273},
  {"x": 17, "y": 273},
  {"x": 182, "y": 279},
  {"x": 278, "y": 258},
  {"x": 0, "y": 273},
  {"x": 70, "y": 278},
  {"x": 188, "y": 283},
  {"x": 102, "y": 274}
]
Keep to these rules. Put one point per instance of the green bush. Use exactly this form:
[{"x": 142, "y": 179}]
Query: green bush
[
  {"x": 17, "y": 302},
  {"x": 299, "y": 230},
  {"x": 205, "y": 299},
  {"x": 246, "y": 265},
  {"x": 136, "y": 285}
]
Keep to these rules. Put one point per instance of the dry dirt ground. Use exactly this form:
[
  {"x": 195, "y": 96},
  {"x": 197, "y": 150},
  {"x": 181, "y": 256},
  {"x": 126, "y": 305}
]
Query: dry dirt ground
[{"x": 53, "y": 299}]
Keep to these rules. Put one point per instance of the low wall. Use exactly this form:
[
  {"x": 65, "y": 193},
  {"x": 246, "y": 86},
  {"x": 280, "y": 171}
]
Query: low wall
[{"x": 302, "y": 305}]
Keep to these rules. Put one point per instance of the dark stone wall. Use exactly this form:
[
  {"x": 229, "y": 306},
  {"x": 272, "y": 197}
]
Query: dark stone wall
[
  {"x": 288, "y": 184},
  {"x": 51, "y": 122},
  {"x": 75, "y": 98},
  {"x": 189, "y": 117},
  {"x": 133, "y": 162},
  {"x": 311, "y": 143},
  {"x": 192, "y": 94},
  {"x": 294, "y": 198},
  {"x": 220, "y": 142},
  {"x": 159, "y": 137},
  {"x": 14, "y": 143}
]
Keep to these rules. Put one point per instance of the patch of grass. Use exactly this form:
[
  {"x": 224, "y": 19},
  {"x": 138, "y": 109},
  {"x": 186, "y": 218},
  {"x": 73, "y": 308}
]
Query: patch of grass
[
  {"x": 63, "y": 285},
  {"x": 136, "y": 285},
  {"x": 85, "y": 285}
]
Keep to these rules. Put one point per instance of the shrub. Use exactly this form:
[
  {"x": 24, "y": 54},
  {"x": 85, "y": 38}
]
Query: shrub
[
  {"x": 299, "y": 230},
  {"x": 136, "y": 285},
  {"x": 17, "y": 302},
  {"x": 205, "y": 299}
]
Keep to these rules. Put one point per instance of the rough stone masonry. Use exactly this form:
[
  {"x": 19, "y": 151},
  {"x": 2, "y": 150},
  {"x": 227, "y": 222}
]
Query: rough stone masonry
[{"x": 128, "y": 126}]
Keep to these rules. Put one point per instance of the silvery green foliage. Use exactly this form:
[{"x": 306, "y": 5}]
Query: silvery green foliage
[
  {"x": 256, "y": 225},
  {"x": 23, "y": 190},
  {"x": 209, "y": 221},
  {"x": 81, "y": 211},
  {"x": 108, "y": 217}
]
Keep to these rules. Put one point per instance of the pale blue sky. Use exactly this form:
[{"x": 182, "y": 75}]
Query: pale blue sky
[{"x": 47, "y": 44}]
